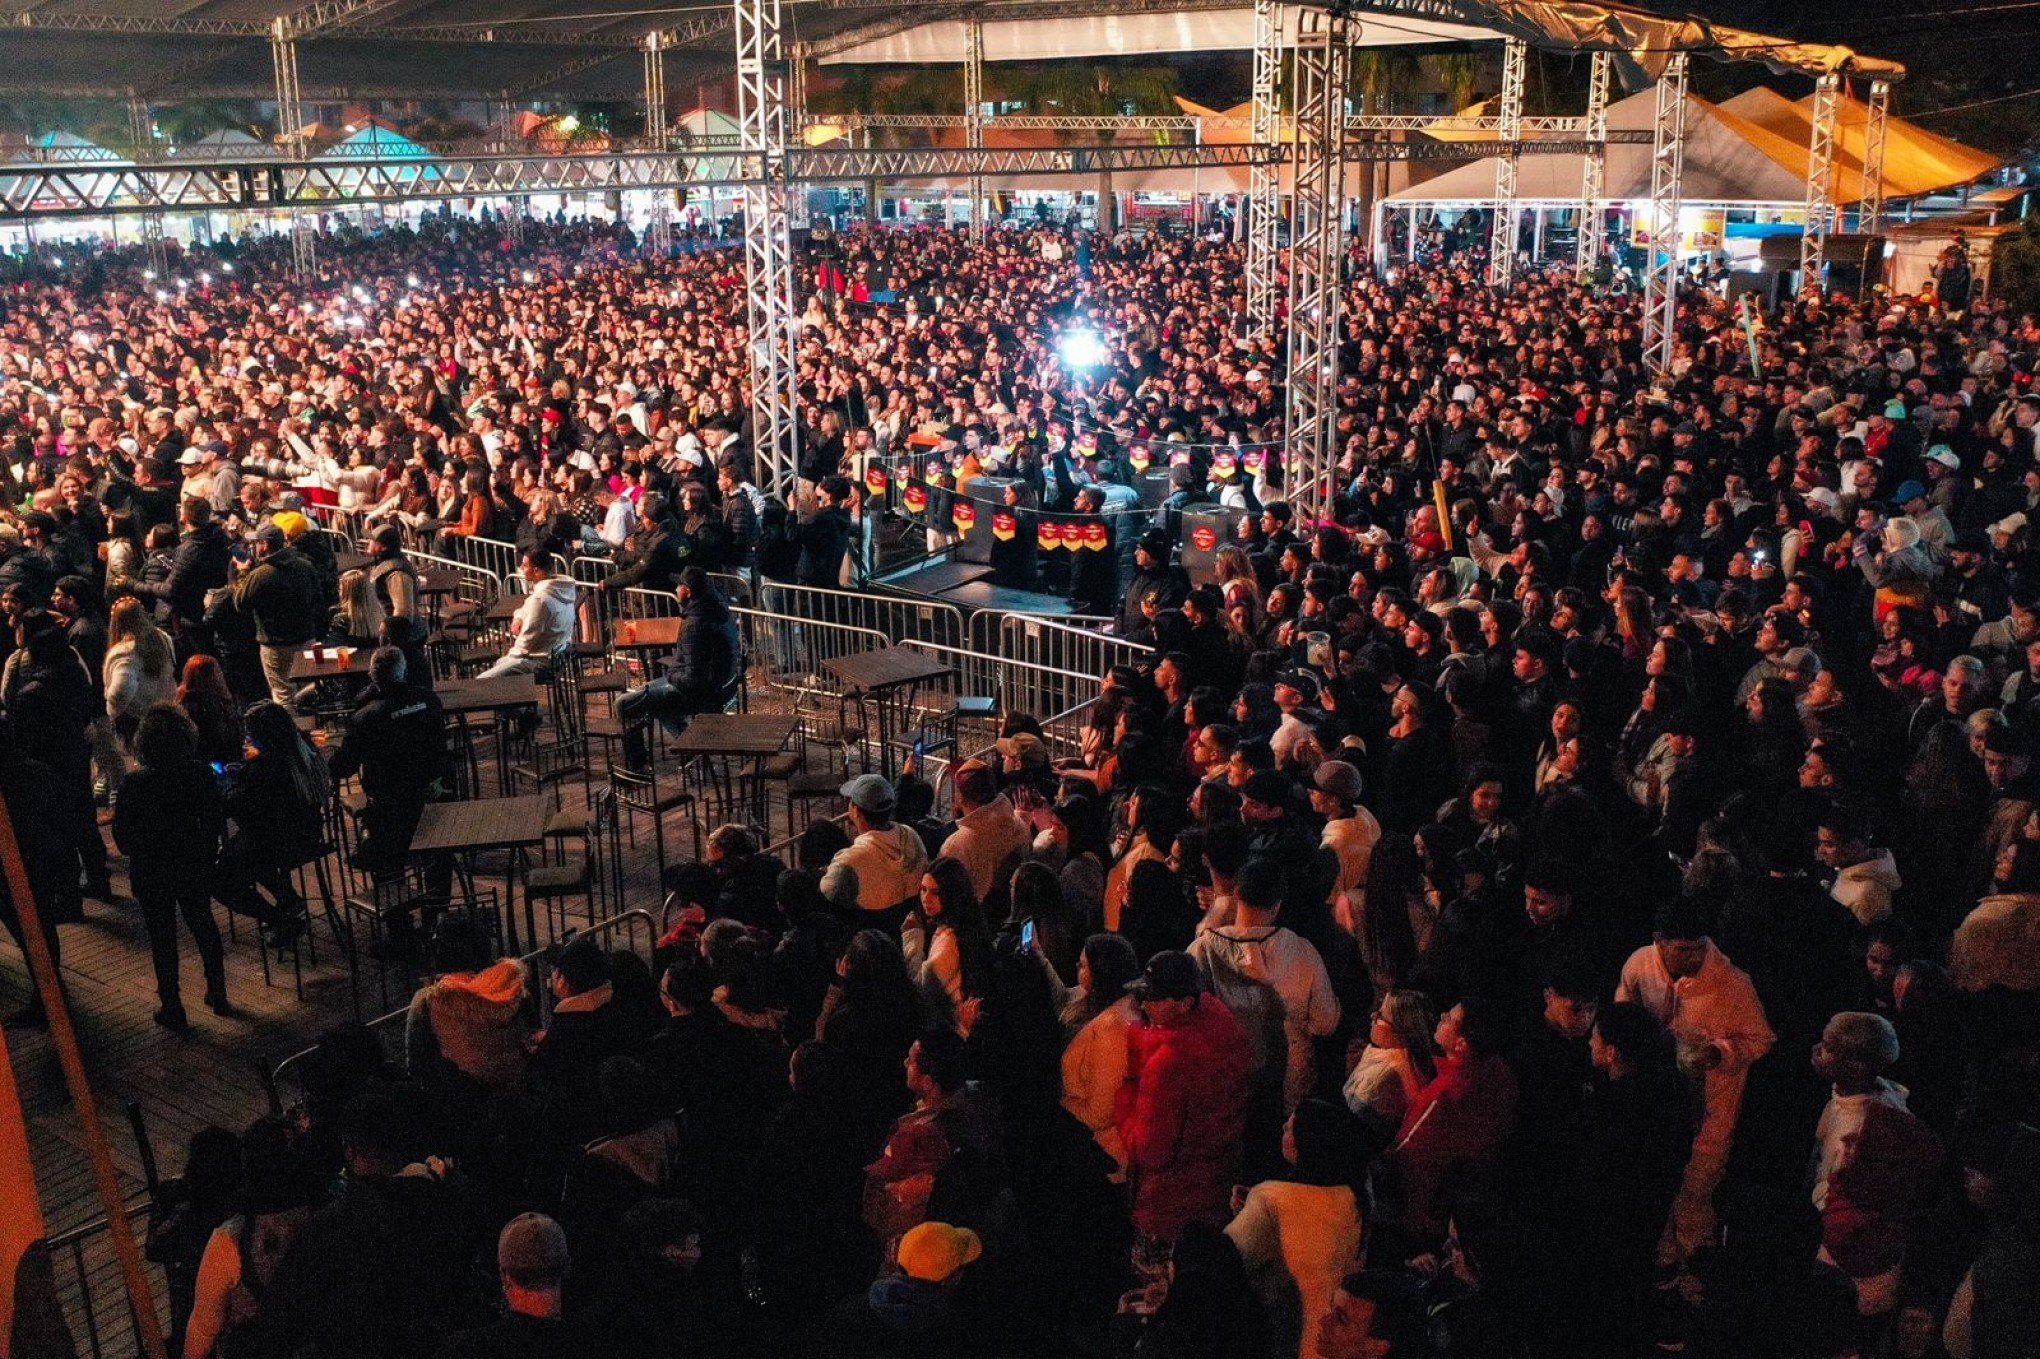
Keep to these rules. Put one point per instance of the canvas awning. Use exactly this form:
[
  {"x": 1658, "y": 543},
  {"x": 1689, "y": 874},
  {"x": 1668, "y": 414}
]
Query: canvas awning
[{"x": 1916, "y": 161}]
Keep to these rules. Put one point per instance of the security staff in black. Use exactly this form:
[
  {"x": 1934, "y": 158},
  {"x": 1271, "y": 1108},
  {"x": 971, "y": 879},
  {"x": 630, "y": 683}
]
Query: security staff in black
[{"x": 397, "y": 740}]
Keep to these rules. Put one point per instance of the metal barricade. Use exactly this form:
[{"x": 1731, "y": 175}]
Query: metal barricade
[
  {"x": 1070, "y": 660},
  {"x": 92, "y": 1291},
  {"x": 894, "y": 616},
  {"x": 478, "y": 585},
  {"x": 497, "y": 558}
]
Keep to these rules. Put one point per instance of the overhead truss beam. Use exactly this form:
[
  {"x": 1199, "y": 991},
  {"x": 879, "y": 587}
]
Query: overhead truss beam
[
  {"x": 1820, "y": 180},
  {"x": 1264, "y": 185}
]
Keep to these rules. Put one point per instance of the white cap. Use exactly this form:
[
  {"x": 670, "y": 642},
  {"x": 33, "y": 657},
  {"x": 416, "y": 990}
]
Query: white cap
[{"x": 2011, "y": 523}]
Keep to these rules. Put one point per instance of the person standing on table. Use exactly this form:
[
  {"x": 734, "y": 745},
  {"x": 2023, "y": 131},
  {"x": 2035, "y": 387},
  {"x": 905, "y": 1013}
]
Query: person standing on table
[
  {"x": 544, "y": 622},
  {"x": 702, "y": 668}
]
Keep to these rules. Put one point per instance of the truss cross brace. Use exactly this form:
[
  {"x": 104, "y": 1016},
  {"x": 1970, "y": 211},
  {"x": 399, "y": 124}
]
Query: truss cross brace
[
  {"x": 1317, "y": 235},
  {"x": 1592, "y": 235},
  {"x": 1667, "y": 191},
  {"x": 1820, "y": 181},
  {"x": 768, "y": 246},
  {"x": 1509, "y": 129},
  {"x": 1264, "y": 183}
]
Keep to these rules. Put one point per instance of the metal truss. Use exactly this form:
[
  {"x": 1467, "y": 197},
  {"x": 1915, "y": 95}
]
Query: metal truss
[
  {"x": 1324, "y": 52},
  {"x": 768, "y": 243},
  {"x": 1667, "y": 191},
  {"x": 1264, "y": 185},
  {"x": 1509, "y": 126},
  {"x": 657, "y": 139},
  {"x": 1870, "y": 213},
  {"x": 1593, "y": 229},
  {"x": 1820, "y": 181},
  {"x": 290, "y": 131},
  {"x": 974, "y": 114}
]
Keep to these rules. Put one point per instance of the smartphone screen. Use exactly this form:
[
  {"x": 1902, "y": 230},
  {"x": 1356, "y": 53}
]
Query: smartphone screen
[{"x": 1027, "y": 935}]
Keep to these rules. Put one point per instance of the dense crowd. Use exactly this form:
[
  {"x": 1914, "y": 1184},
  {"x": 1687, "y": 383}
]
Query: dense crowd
[{"x": 1581, "y": 895}]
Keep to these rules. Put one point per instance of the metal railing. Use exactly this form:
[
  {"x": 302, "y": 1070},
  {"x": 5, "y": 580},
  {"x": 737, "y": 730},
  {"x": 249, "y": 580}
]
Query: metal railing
[
  {"x": 894, "y": 616},
  {"x": 91, "y": 1291}
]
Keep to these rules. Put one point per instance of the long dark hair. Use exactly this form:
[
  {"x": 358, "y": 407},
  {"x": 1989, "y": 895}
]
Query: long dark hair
[
  {"x": 273, "y": 732},
  {"x": 1394, "y": 875},
  {"x": 963, "y": 915},
  {"x": 1113, "y": 966}
]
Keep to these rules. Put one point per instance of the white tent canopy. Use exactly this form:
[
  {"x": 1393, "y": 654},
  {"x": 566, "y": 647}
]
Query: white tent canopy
[
  {"x": 1127, "y": 35},
  {"x": 1727, "y": 162}
]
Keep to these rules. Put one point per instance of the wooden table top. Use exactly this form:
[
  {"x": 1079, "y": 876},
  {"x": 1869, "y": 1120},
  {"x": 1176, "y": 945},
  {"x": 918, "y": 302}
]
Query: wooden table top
[
  {"x": 438, "y": 582},
  {"x": 338, "y": 661},
  {"x": 870, "y": 671},
  {"x": 503, "y": 608},
  {"x": 485, "y": 823},
  {"x": 487, "y": 695},
  {"x": 645, "y": 634},
  {"x": 732, "y": 734}
]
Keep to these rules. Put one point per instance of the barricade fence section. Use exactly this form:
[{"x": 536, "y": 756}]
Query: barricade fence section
[
  {"x": 93, "y": 1293},
  {"x": 898, "y": 617}
]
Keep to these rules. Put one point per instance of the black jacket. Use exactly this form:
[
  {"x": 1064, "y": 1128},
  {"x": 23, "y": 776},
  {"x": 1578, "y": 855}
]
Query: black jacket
[
  {"x": 50, "y": 711},
  {"x": 653, "y": 558},
  {"x": 168, "y": 821},
  {"x": 386, "y": 1271},
  {"x": 705, "y": 660},
  {"x": 822, "y": 540},
  {"x": 397, "y": 740},
  {"x": 284, "y": 597},
  {"x": 200, "y": 566}
]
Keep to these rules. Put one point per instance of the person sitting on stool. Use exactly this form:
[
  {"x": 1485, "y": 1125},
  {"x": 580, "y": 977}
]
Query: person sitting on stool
[
  {"x": 396, "y": 739},
  {"x": 544, "y": 622},
  {"x": 703, "y": 666}
]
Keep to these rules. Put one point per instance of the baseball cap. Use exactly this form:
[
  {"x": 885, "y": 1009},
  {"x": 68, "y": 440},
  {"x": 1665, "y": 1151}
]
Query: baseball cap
[
  {"x": 532, "y": 1251},
  {"x": 869, "y": 793},
  {"x": 294, "y": 525},
  {"x": 1025, "y": 747},
  {"x": 1894, "y": 410},
  {"x": 1801, "y": 659},
  {"x": 1268, "y": 788},
  {"x": 190, "y": 457},
  {"x": 1945, "y": 456},
  {"x": 1302, "y": 681},
  {"x": 933, "y": 1251},
  {"x": 1909, "y": 491},
  {"x": 1169, "y": 975},
  {"x": 1339, "y": 779},
  {"x": 269, "y": 536}
]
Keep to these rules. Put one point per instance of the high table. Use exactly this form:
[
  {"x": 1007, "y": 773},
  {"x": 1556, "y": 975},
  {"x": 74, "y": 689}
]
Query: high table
[
  {"x": 645, "y": 634},
  {"x": 467, "y": 828},
  {"x": 888, "y": 678},
  {"x": 333, "y": 662},
  {"x": 714, "y": 739},
  {"x": 499, "y": 698}
]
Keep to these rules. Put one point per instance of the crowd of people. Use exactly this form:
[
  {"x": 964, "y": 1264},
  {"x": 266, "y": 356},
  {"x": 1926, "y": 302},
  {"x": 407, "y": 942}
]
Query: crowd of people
[{"x": 1578, "y": 892}]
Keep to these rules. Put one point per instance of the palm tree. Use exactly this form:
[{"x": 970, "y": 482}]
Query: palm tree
[
  {"x": 1101, "y": 90},
  {"x": 191, "y": 120}
]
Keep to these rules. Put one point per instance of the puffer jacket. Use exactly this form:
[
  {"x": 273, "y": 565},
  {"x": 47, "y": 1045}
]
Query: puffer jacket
[
  {"x": 887, "y": 863},
  {"x": 474, "y": 1022},
  {"x": 130, "y": 689},
  {"x": 1182, "y": 1115}
]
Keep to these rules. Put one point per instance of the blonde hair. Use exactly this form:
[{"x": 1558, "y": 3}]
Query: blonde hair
[
  {"x": 359, "y": 607},
  {"x": 130, "y": 621}
]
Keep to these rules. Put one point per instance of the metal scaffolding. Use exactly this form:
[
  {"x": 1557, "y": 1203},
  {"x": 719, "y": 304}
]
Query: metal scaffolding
[
  {"x": 1875, "y": 132},
  {"x": 1820, "y": 181},
  {"x": 974, "y": 114},
  {"x": 1264, "y": 185},
  {"x": 290, "y": 131},
  {"x": 1667, "y": 190},
  {"x": 768, "y": 244},
  {"x": 1593, "y": 232},
  {"x": 1509, "y": 129},
  {"x": 1323, "y": 60},
  {"x": 658, "y": 138}
]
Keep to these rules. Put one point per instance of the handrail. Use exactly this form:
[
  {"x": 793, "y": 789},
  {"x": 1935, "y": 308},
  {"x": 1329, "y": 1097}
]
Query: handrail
[{"x": 535, "y": 963}]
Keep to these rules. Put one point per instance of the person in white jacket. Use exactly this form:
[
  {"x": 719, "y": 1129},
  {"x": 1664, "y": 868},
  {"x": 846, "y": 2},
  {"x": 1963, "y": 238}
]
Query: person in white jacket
[
  {"x": 1712, "y": 1010},
  {"x": 989, "y": 834},
  {"x": 544, "y": 622},
  {"x": 1865, "y": 876},
  {"x": 140, "y": 670},
  {"x": 1094, "y": 1064},
  {"x": 1254, "y": 945},
  {"x": 885, "y": 861}
]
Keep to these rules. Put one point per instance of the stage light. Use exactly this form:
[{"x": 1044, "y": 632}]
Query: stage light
[
  {"x": 162, "y": 296},
  {"x": 1080, "y": 349}
]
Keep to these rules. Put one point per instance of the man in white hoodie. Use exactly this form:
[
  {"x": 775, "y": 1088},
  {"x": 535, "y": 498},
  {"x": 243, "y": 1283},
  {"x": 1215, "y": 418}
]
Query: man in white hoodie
[
  {"x": 1865, "y": 876},
  {"x": 885, "y": 861},
  {"x": 989, "y": 835},
  {"x": 544, "y": 622}
]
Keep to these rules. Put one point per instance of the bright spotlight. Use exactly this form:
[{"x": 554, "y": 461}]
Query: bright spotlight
[
  {"x": 1081, "y": 349},
  {"x": 162, "y": 296},
  {"x": 411, "y": 279},
  {"x": 226, "y": 268}
]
